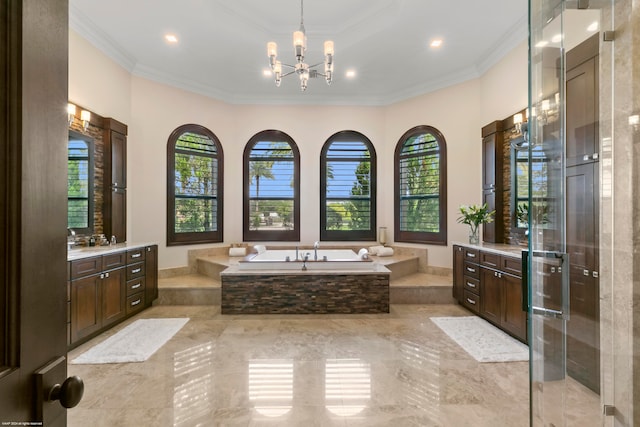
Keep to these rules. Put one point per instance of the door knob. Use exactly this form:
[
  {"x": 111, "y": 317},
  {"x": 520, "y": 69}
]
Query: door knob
[{"x": 69, "y": 393}]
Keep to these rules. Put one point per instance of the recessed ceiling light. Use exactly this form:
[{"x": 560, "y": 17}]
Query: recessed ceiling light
[
  {"x": 267, "y": 72},
  {"x": 171, "y": 38},
  {"x": 593, "y": 27},
  {"x": 350, "y": 74},
  {"x": 436, "y": 43}
]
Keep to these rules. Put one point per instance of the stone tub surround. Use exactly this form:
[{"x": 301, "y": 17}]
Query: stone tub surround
[
  {"x": 411, "y": 281},
  {"x": 304, "y": 292}
]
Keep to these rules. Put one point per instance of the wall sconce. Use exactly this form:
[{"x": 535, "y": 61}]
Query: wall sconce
[
  {"x": 517, "y": 122},
  {"x": 634, "y": 121},
  {"x": 545, "y": 106},
  {"x": 85, "y": 116},
  {"x": 71, "y": 111}
]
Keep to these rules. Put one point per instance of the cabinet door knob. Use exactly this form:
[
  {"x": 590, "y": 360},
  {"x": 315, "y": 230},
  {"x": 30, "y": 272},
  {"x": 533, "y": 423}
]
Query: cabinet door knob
[{"x": 69, "y": 393}]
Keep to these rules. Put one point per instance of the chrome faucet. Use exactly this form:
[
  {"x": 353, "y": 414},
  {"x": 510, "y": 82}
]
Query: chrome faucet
[
  {"x": 316, "y": 245},
  {"x": 304, "y": 262},
  {"x": 71, "y": 238}
]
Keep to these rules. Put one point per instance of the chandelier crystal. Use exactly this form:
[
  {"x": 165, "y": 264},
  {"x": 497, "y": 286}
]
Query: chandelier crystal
[{"x": 302, "y": 69}]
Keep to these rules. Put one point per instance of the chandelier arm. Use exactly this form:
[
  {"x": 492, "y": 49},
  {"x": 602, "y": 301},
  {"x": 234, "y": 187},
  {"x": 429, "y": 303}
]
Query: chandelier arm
[
  {"x": 315, "y": 65},
  {"x": 286, "y": 74},
  {"x": 287, "y": 65}
]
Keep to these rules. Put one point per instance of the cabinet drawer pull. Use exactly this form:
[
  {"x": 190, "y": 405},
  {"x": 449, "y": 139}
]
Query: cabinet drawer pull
[
  {"x": 471, "y": 285},
  {"x": 472, "y": 270},
  {"x": 136, "y": 302},
  {"x": 136, "y": 286},
  {"x": 470, "y": 255},
  {"x": 136, "y": 270},
  {"x": 470, "y": 301},
  {"x": 106, "y": 274},
  {"x": 136, "y": 255}
]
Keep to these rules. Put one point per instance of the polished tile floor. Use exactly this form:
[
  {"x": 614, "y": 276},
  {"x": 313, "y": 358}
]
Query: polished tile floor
[{"x": 396, "y": 369}]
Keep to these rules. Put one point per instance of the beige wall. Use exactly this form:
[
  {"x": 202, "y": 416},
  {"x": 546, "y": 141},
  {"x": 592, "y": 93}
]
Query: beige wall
[{"x": 154, "y": 110}]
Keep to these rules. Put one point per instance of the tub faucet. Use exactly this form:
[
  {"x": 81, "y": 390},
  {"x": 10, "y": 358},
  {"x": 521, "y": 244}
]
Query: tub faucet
[{"x": 316, "y": 245}]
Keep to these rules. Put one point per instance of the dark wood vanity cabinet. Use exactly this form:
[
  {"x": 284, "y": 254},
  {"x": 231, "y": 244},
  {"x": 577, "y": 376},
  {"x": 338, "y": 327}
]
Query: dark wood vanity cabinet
[
  {"x": 491, "y": 287},
  {"x": 104, "y": 290},
  {"x": 492, "y": 180},
  {"x": 115, "y": 179}
]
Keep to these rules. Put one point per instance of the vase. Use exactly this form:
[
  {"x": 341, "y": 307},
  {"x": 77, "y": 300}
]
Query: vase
[{"x": 473, "y": 235}]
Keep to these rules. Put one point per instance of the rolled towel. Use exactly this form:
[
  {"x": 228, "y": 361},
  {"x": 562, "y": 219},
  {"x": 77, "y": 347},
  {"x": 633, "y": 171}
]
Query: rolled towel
[
  {"x": 385, "y": 251},
  {"x": 237, "y": 251},
  {"x": 363, "y": 253},
  {"x": 373, "y": 250},
  {"x": 260, "y": 248}
]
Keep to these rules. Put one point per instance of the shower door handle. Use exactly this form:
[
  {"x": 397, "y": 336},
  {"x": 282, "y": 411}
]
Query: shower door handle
[{"x": 557, "y": 264}]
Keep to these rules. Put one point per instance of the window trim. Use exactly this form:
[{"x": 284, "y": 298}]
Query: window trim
[
  {"x": 89, "y": 229},
  {"x": 192, "y": 238},
  {"x": 439, "y": 238},
  {"x": 348, "y": 235},
  {"x": 248, "y": 234}
]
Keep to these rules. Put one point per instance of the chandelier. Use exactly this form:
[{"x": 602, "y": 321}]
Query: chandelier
[{"x": 301, "y": 68}]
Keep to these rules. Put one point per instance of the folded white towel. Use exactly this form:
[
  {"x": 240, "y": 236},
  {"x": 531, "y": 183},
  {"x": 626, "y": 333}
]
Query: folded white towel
[
  {"x": 373, "y": 250},
  {"x": 260, "y": 248},
  {"x": 363, "y": 253},
  {"x": 237, "y": 251},
  {"x": 385, "y": 252}
]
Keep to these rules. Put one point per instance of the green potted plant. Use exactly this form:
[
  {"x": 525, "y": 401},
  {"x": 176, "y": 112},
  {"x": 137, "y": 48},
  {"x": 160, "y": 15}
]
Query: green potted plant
[{"x": 473, "y": 216}]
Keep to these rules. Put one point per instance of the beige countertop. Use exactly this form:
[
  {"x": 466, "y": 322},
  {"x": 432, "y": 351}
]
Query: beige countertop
[
  {"x": 91, "y": 251},
  {"x": 499, "y": 248}
]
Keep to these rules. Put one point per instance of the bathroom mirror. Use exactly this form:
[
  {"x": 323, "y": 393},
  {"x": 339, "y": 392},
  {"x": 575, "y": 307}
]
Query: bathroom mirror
[{"x": 80, "y": 183}]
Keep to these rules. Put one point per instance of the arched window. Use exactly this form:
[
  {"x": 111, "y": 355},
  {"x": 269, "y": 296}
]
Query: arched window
[
  {"x": 421, "y": 187},
  {"x": 271, "y": 188},
  {"x": 348, "y": 188},
  {"x": 194, "y": 186}
]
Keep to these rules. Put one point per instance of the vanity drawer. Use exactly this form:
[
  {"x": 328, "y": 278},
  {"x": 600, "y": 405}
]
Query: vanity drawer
[
  {"x": 471, "y": 255},
  {"x": 134, "y": 271},
  {"x": 135, "y": 302},
  {"x": 471, "y": 285},
  {"x": 134, "y": 286},
  {"x": 471, "y": 270},
  {"x": 489, "y": 259},
  {"x": 112, "y": 261},
  {"x": 135, "y": 255},
  {"x": 86, "y": 267},
  {"x": 471, "y": 301},
  {"x": 512, "y": 265}
]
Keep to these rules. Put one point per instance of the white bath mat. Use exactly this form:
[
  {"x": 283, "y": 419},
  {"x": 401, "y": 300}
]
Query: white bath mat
[
  {"x": 135, "y": 343},
  {"x": 483, "y": 341}
]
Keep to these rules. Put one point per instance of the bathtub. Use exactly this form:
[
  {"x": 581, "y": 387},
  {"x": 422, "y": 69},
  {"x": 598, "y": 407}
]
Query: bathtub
[{"x": 328, "y": 259}]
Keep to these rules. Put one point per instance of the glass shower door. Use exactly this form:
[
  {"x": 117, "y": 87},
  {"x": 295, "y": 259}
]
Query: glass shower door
[{"x": 573, "y": 122}]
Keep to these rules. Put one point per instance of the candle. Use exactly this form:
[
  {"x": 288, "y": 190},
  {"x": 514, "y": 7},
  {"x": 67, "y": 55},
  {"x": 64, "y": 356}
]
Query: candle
[{"x": 382, "y": 235}]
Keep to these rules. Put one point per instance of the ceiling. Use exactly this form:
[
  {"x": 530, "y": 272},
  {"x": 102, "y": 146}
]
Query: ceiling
[{"x": 221, "y": 49}]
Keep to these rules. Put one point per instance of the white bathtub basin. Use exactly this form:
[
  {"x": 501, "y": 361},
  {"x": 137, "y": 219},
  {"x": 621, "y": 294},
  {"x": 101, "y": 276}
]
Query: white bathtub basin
[{"x": 336, "y": 259}]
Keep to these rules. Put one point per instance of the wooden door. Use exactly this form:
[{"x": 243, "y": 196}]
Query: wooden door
[
  {"x": 513, "y": 319},
  {"x": 113, "y": 296},
  {"x": 490, "y": 295},
  {"x": 583, "y": 349},
  {"x": 583, "y": 339},
  {"x": 151, "y": 274},
  {"x": 86, "y": 310},
  {"x": 33, "y": 214},
  {"x": 458, "y": 272}
]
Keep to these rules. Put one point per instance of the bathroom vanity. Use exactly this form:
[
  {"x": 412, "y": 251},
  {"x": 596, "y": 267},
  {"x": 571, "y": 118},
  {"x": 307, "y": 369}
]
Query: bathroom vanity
[
  {"x": 106, "y": 285},
  {"x": 487, "y": 279}
]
